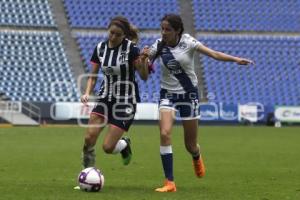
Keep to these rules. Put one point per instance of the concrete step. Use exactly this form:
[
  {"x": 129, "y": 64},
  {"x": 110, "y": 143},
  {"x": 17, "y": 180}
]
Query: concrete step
[{"x": 16, "y": 118}]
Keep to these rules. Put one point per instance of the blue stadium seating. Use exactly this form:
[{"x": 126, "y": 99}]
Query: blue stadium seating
[
  {"x": 247, "y": 15},
  {"x": 274, "y": 80},
  {"x": 145, "y": 14},
  {"x": 34, "y": 67},
  {"x": 26, "y": 13},
  {"x": 149, "y": 90}
]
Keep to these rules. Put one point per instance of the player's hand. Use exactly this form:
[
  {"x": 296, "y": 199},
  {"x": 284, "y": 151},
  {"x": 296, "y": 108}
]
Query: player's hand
[
  {"x": 244, "y": 61},
  {"x": 145, "y": 51},
  {"x": 84, "y": 98}
]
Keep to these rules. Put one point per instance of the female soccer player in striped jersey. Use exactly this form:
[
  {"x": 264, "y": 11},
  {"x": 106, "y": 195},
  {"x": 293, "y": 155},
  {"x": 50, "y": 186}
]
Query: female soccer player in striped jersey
[
  {"x": 179, "y": 91},
  {"x": 118, "y": 58}
]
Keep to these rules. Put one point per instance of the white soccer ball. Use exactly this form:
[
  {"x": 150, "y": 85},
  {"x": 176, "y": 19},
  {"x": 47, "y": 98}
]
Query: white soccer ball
[{"x": 91, "y": 180}]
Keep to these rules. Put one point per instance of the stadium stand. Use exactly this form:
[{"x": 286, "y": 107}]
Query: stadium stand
[
  {"x": 274, "y": 80},
  {"x": 148, "y": 89},
  {"x": 34, "y": 67},
  {"x": 35, "y": 13},
  {"x": 145, "y": 14},
  {"x": 247, "y": 15},
  {"x": 3, "y": 97}
]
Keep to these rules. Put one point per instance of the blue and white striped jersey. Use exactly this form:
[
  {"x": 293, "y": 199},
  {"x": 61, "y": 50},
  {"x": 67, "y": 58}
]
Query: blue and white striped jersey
[{"x": 178, "y": 73}]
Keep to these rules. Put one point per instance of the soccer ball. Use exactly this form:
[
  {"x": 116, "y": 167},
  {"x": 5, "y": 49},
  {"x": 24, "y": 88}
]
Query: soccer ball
[{"x": 91, "y": 180}]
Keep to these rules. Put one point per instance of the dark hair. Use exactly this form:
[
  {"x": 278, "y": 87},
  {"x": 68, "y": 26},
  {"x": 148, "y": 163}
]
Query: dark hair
[
  {"x": 176, "y": 22},
  {"x": 130, "y": 31}
]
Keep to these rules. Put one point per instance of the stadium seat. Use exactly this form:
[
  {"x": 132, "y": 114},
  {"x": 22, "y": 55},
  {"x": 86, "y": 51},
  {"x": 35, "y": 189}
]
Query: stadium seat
[
  {"x": 272, "y": 81},
  {"x": 26, "y": 13},
  {"x": 44, "y": 64},
  {"x": 145, "y": 14},
  {"x": 245, "y": 15}
]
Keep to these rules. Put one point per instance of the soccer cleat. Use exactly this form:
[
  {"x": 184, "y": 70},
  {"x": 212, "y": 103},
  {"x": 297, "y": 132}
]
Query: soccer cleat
[
  {"x": 88, "y": 159},
  {"x": 126, "y": 153},
  {"x": 169, "y": 186},
  {"x": 199, "y": 167},
  {"x": 76, "y": 188}
]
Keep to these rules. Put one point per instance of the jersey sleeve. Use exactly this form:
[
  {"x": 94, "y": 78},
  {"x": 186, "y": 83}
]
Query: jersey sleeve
[
  {"x": 191, "y": 41},
  {"x": 95, "y": 58},
  {"x": 153, "y": 49},
  {"x": 134, "y": 53}
]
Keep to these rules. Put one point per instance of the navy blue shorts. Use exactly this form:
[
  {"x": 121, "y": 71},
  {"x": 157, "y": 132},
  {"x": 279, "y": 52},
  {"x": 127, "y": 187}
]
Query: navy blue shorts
[
  {"x": 117, "y": 114},
  {"x": 186, "y": 104}
]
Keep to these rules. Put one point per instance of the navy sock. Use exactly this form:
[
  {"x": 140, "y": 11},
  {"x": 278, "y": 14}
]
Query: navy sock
[
  {"x": 167, "y": 162},
  {"x": 196, "y": 157}
]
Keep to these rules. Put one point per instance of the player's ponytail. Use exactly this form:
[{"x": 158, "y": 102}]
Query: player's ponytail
[
  {"x": 133, "y": 34},
  {"x": 130, "y": 31}
]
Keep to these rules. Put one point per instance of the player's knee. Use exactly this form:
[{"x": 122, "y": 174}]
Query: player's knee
[
  {"x": 107, "y": 148},
  {"x": 165, "y": 133}
]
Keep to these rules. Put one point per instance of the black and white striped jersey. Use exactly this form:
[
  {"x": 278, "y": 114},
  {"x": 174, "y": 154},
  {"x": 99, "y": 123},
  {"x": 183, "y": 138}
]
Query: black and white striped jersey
[{"x": 117, "y": 65}]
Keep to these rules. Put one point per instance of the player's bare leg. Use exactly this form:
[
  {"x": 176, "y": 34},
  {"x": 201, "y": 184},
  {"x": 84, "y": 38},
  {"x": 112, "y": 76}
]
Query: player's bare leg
[
  {"x": 190, "y": 140},
  {"x": 95, "y": 127},
  {"x": 166, "y": 124},
  {"x": 115, "y": 143}
]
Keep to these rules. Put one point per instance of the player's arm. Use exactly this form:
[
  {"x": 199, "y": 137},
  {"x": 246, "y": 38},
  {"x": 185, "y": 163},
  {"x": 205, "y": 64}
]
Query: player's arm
[
  {"x": 91, "y": 82},
  {"x": 222, "y": 56},
  {"x": 140, "y": 62},
  {"x": 141, "y": 65}
]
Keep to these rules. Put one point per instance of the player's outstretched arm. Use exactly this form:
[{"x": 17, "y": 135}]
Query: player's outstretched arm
[{"x": 222, "y": 56}]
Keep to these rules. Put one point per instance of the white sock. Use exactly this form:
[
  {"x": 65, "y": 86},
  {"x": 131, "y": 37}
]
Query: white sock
[
  {"x": 119, "y": 146},
  {"x": 165, "y": 149}
]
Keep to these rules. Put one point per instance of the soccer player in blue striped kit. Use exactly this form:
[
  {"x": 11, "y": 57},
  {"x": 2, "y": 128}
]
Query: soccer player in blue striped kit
[
  {"x": 118, "y": 58},
  {"x": 179, "y": 91}
]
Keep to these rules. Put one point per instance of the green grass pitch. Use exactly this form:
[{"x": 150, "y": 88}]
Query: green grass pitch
[{"x": 243, "y": 163}]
